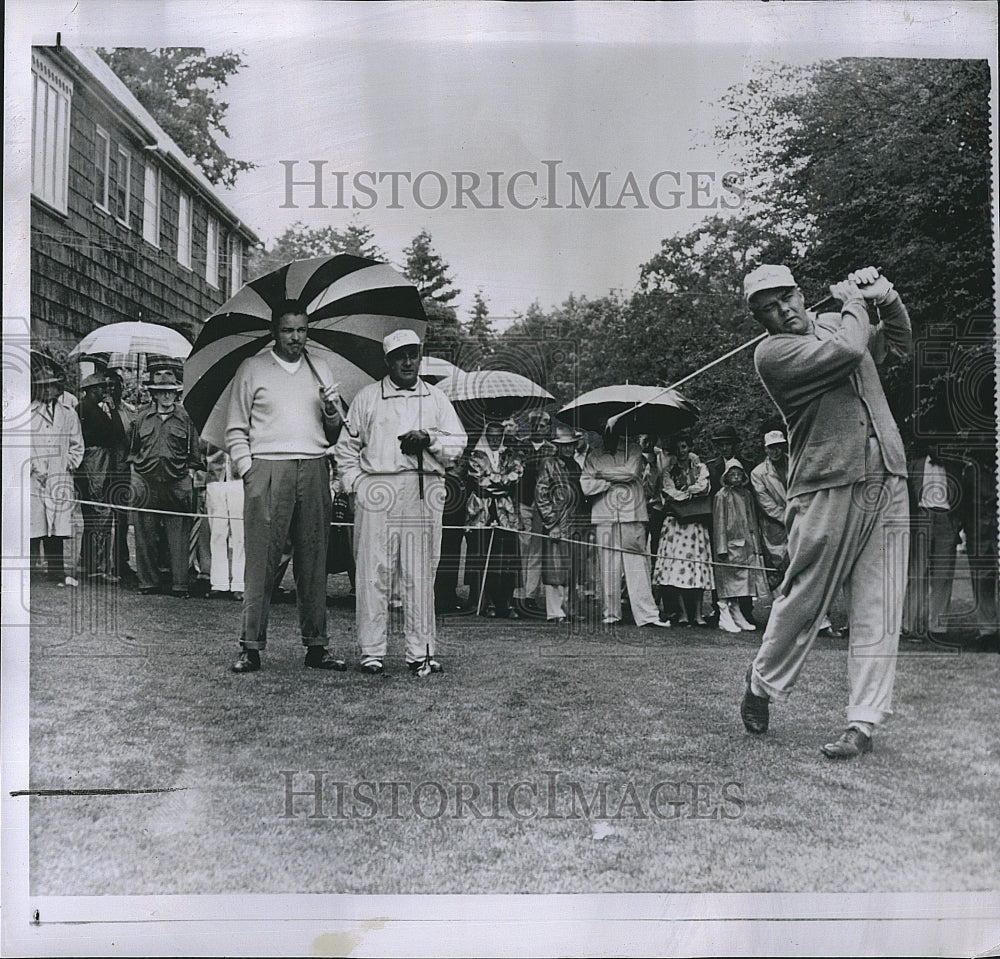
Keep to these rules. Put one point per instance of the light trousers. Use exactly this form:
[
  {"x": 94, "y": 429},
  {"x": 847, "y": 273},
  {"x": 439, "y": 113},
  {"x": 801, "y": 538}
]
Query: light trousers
[
  {"x": 224, "y": 505},
  {"x": 531, "y": 552},
  {"x": 397, "y": 532},
  {"x": 623, "y": 545},
  {"x": 856, "y": 536}
]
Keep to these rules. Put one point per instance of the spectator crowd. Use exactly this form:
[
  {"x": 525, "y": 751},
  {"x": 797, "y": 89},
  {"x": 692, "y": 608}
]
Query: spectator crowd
[{"x": 552, "y": 524}]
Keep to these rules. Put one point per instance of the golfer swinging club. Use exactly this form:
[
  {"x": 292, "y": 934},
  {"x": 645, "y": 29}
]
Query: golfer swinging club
[{"x": 847, "y": 503}]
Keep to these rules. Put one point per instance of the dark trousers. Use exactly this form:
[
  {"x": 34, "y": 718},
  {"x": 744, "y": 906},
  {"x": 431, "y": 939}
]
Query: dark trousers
[
  {"x": 152, "y": 530},
  {"x": 92, "y": 481},
  {"x": 285, "y": 499},
  {"x": 499, "y": 564},
  {"x": 52, "y": 547}
]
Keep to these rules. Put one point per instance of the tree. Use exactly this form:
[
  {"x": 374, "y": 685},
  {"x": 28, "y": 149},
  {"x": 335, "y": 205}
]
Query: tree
[
  {"x": 300, "y": 242},
  {"x": 428, "y": 272},
  {"x": 479, "y": 327},
  {"x": 180, "y": 87},
  {"x": 886, "y": 162}
]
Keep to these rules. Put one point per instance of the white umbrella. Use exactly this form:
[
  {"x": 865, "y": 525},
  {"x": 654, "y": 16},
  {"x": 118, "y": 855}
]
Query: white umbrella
[{"x": 133, "y": 337}]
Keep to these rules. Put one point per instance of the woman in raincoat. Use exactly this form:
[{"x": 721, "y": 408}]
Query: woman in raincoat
[
  {"x": 56, "y": 450},
  {"x": 738, "y": 548},
  {"x": 493, "y": 473}
]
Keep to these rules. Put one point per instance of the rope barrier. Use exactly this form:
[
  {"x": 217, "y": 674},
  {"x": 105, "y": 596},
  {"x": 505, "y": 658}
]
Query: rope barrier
[{"x": 467, "y": 529}]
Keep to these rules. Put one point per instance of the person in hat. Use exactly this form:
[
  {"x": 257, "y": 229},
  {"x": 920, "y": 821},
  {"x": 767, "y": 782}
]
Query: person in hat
[
  {"x": 847, "y": 504},
  {"x": 769, "y": 482},
  {"x": 726, "y": 441},
  {"x": 493, "y": 472},
  {"x": 739, "y": 569},
  {"x": 122, "y": 416},
  {"x": 612, "y": 476},
  {"x": 93, "y": 479},
  {"x": 400, "y": 435},
  {"x": 532, "y": 451},
  {"x": 284, "y": 414},
  {"x": 163, "y": 450},
  {"x": 557, "y": 498},
  {"x": 56, "y": 450}
]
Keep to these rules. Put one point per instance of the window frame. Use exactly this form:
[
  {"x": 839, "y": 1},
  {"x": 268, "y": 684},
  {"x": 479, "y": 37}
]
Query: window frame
[
  {"x": 212, "y": 252},
  {"x": 151, "y": 225},
  {"x": 50, "y": 137},
  {"x": 123, "y": 217},
  {"x": 102, "y": 182},
  {"x": 185, "y": 200}
]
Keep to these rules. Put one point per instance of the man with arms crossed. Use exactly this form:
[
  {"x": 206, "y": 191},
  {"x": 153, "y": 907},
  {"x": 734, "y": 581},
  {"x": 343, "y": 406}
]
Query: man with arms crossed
[
  {"x": 847, "y": 504},
  {"x": 283, "y": 417}
]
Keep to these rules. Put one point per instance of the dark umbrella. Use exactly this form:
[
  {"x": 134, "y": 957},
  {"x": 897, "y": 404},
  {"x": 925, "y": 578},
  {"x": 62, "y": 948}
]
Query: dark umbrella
[
  {"x": 646, "y": 409},
  {"x": 351, "y": 303}
]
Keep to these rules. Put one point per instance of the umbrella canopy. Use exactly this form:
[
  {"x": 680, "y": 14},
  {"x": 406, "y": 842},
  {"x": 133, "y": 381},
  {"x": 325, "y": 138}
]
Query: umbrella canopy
[
  {"x": 433, "y": 369},
  {"x": 351, "y": 303},
  {"x": 492, "y": 393},
  {"x": 133, "y": 337},
  {"x": 663, "y": 411}
]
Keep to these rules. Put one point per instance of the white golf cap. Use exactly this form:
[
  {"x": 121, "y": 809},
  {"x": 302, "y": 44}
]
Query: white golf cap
[
  {"x": 774, "y": 437},
  {"x": 399, "y": 338},
  {"x": 767, "y": 277}
]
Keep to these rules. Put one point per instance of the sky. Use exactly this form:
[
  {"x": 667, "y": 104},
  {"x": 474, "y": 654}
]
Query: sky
[{"x": 513, "y": 114}]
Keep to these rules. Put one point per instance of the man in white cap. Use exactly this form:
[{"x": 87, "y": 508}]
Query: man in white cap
[
  {"x": 400, "y": 435},
  {"x": 847, "y": 507},
  {"x": 769, "y": 481},
  {"x": 284, "y": 414}
]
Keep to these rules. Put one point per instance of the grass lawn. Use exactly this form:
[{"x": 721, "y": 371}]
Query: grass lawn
[{"x": 132, "y": 692}]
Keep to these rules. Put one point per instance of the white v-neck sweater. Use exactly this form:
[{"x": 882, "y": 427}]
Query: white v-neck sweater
[{"x": 274, "y": 414}]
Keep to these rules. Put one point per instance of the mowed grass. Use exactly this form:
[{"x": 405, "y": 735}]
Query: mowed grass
[{"x": 136, "y": 693}]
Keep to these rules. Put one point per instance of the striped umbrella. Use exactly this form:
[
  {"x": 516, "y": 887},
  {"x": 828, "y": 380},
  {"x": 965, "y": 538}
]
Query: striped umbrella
[
  {"x": 351, "y": 303},
  {"x": 492, "y": 393}
]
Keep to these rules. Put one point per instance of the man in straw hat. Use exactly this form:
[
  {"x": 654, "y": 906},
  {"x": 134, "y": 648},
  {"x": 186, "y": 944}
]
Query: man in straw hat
[
  {"x": 284, "y": 413},
  {"x": 847, "y": 509},
  {"x": 400, "y": 435},
  {"x": 163, "y": 448}
]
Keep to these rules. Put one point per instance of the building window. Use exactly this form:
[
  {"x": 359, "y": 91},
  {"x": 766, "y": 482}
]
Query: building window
[
  {"x": 212, "y": 252},
  {"x": 51, "y": 94},
  {"x": 102, "y": 165},
  {"x": 184, "y": 231},
  {"x": 121, "y": 186},
  {"x": 236, "y": 263},
  {"x": 151, "y": 206}
]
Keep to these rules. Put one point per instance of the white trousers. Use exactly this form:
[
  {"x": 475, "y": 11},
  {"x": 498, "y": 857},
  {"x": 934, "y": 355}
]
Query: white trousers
[
  {"x": 397, "y": 532},
  {"x": 224, "y": 505},
  {"x": 627, "y": 542}
]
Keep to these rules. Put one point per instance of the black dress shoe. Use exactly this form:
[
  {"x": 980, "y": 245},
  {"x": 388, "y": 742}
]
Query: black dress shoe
[
  {"x": 249, "y": 662},
  {"x": 323, "y": 659},
  {"x": 852, "y": 743},
  {"x": 753, "y": 710}
]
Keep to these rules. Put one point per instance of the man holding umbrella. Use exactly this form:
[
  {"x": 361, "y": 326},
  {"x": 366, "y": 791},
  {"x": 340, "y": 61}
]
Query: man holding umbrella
[
  {"x": 283, "y": 417},
  {"x": 847, "y": 504},
  {"x": 400, "y": 436}
]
